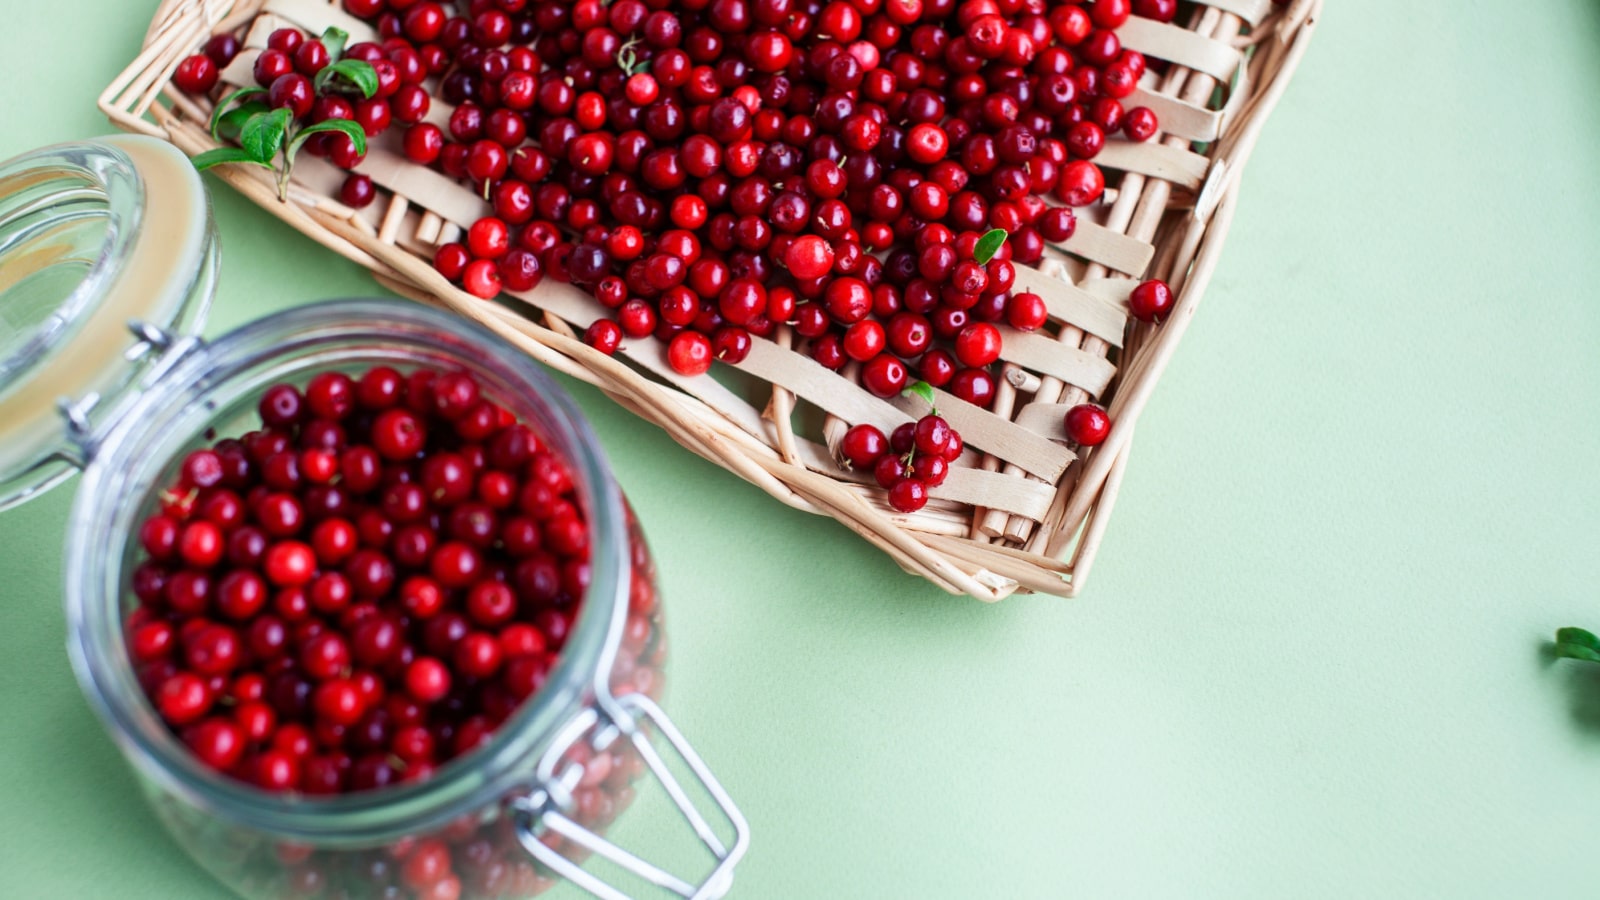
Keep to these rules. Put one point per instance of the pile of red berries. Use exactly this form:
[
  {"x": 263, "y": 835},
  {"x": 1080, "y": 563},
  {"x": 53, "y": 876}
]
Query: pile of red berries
[
  {"x": 914, "y": 458},
  {"x": 713, "y": 169},
  {"x": 363, "y": 589},
  {"x": 288, "y": 70}
]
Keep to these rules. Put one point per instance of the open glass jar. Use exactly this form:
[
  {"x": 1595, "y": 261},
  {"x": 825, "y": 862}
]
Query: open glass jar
[{"x": 85, "y": 250}]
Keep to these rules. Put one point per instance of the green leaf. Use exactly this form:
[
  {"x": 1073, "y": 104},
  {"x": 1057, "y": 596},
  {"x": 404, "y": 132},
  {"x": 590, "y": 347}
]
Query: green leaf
[
  {"x": 1577, "y": 651},
  {"x": 989, "y": 245},
  {"x": 240, "y": 97},
  {"x": 334, "y": 39},
  {"x": 225, "y": 155},
  {"x": 231, "y": 125},
  {"x": 263, "y": 133},
  {"x": 1579, "y": 637},
  {"x": 920, "y": 389},
  {"x": 352, "y": 72},
  {"x": 342, "y": 126}
]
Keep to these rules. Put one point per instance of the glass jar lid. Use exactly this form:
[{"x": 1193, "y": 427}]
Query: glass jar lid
[{"x": 95, "y": 237}]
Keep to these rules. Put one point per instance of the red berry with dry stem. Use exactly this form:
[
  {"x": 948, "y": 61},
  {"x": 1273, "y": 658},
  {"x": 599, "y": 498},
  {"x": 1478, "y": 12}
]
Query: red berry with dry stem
[
  {"x": 1151, "y": 301},
  {"x": 863, "y": 445}
]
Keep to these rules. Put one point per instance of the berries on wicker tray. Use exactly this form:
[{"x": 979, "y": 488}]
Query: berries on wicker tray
[{"x": 714, "y": 171}]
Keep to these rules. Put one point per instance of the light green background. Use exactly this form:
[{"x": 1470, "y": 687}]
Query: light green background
[{"x": 1309, "y": 661}]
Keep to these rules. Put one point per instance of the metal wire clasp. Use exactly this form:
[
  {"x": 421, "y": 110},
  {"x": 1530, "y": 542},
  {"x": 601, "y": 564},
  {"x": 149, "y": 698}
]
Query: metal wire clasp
[
  {"x": 545, "y": 808},
  {"x": 82, "y": 434}
]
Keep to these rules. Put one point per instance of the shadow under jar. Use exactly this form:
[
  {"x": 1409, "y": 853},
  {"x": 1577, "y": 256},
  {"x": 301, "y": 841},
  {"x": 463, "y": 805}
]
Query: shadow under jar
[{"x": 507, "y": 819}]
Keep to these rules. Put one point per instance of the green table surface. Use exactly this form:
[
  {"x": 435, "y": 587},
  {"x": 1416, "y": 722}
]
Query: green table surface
[{"x": 1309, "y": 662}]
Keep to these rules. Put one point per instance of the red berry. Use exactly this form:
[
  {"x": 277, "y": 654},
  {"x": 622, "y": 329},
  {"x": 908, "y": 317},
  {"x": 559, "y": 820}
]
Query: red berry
[
  {"x": 884, "y": 376},
  {"x": 1087, "y": 424},
  {"x": 196, "y": 74},
  {"x": 810, "y": 257},
  {"x": 978, "y": 345},
  {"x": 863, "y": 445},
  {"x": 1151, "y": 301},
  {"x": 482, "y": 279},
  {"x": 427, "y": 680},
  {"x": 398, "y": 435},
  {"x": 290, "y": 564},
  {"x": 689, "y": 353},
  {"x": 183, "y": 698},
  {"x": 908, "y": 495}
]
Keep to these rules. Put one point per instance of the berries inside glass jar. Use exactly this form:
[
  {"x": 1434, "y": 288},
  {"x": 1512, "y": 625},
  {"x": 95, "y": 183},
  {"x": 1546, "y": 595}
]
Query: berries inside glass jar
[{"x": 367, "y": 586}]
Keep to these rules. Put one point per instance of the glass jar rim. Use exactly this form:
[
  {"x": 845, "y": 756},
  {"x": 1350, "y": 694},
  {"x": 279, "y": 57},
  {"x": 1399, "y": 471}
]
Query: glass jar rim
[{"x": 469, "y": 783}]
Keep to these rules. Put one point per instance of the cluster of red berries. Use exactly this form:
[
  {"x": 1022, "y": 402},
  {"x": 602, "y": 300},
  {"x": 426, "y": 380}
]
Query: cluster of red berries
[
  {"x": 712, "y": 170},
  {"x": 365, "y": 588},
  {"x": 288, "y": 70},
  {"x": 915, "y": 457}
]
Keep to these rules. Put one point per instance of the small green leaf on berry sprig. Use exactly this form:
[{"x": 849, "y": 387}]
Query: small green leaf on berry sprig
[
  {"x": 222, "y": 155},
  {"x": 263, "y": 134},
  {"x": 342, "y": 126},
  {"x": 335, "y": 39},
  {"x": 924, "y": 390},
  {"x": 1576, "y": 643},
  {"x": 988, "y": 246},
  {"x": 346, "y": 75},
  {"x": 227, "y": 113}
]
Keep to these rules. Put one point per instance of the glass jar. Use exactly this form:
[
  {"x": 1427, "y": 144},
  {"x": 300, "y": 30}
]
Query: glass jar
[{"x": 522, "y": 810}]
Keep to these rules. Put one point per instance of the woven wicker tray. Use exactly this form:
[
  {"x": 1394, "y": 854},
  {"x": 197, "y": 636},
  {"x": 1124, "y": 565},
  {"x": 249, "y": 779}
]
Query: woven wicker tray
[{"x": 1022, "y": 510}]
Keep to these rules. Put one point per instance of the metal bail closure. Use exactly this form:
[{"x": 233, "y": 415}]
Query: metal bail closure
[
  {"x": 153, "y": 341},
  {"x": 544, "y": 811}
]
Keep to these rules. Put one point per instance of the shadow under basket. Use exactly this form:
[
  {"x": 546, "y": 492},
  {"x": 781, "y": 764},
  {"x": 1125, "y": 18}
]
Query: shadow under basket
[{"x": 1022, "y": 510}]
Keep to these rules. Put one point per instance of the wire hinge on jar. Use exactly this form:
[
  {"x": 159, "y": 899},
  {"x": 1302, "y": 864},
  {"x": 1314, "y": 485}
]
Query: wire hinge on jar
[
  {"x": 545, "y": 808},
  {"x": 168, "y": 350}
]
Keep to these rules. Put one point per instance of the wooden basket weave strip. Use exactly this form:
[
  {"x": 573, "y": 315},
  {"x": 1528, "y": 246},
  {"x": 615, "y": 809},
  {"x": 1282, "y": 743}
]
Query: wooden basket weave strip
[{"x": 1022, "y": 509}]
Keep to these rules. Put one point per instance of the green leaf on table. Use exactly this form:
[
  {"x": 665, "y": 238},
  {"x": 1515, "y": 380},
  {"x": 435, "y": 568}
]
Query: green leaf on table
[
  {"x": 342, "y": 126},
  {"x": 989, "y": 245},
  {"x": 349, "y": 72},
  {"x": 1576, "y": 643},
  {"x": 231, "y": 124},
  {"x": 920, "y": 389},
  {"x": 241, "y": 97},
  {"x": 222, "y": 155},
  {"x": 1578, "y": 636},
  {"x": 263, "y": 133},
  {"x": 334, "y": 39}
]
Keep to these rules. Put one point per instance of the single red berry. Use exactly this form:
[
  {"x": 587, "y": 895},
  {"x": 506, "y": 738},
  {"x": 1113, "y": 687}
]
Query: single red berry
[
  {"x": 218, "y": 743},
  {"x": 482, "y": 279},
  {"x": 183, "y": 698},
  {"x": 908, "y": 495},
  {"x": 196, "y": 74},
  {"x": 978, "y": 345},
  {"x": 1140, "y": 124},
  {"x": 1027, "y": 311},
  {"x": 604, "y": 335},
  {"x": 290, "y": 564},
  {"x": 357, "y": 191},
  {"x": 810, "y": 257},
  {"x": 689, "y": 353},
  {"x": 1087, "y": 424},
  {"x": 398, "y": 435},
  {"x": 427, "y": 680},
  {"x": 884, "y": 376},
  {"x": 863, "y": 445},
  {"x": 1151, "y": 301}
]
